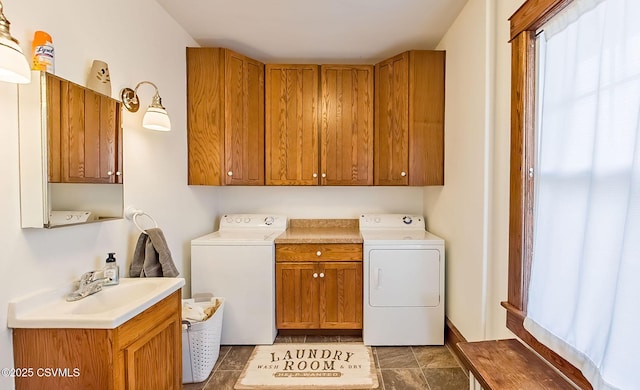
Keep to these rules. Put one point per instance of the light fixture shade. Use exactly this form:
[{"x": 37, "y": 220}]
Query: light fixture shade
[
  {"x": 14, "y": 67},
  {"x": 156, "y": 118}
]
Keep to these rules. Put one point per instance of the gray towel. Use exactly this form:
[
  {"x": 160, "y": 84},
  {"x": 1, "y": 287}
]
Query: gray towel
[{"x": 152, "y": 257}]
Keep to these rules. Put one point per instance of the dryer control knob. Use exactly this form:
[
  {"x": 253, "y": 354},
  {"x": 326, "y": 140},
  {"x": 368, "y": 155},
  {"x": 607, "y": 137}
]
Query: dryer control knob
[
  {"x": 268, "y": 221},
  {"x": 238, "y": 220},
  {"x": 407, "y": 220},
  {"x": 247, "y": 220}
]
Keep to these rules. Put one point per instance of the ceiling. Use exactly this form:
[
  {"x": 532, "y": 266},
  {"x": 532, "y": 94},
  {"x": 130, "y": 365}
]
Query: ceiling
[{"x": 325, "y": 31}]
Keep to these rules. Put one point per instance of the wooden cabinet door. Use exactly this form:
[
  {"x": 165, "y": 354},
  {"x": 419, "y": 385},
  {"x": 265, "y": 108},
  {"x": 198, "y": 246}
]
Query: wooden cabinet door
[
  {"x": 297, "y": 300},
  {"x": 89, "y": 131},
  {"x": 151, "y": 361},
  {"x": 341, "y": 295},
  {"x": 291, "y": 124},
  {"x": 244, "y": 120},
  {"x": 391, "y": 133},
  {"x": 346, "y": 124},
  {"x": 54, "y": 132},
  {"x": 205, "y": 115},
  {"x": 148, "y": 350}
]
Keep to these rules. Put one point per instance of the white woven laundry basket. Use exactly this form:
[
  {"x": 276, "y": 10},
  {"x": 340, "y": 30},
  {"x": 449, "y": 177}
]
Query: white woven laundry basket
[{"x": 201, "y": 344}]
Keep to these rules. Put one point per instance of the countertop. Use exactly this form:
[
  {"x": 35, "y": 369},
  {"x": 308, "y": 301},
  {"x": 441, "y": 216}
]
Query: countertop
[{"x": 326, "y": 231}]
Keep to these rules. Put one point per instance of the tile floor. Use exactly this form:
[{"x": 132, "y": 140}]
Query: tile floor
[{"x": 399, "y": 368}]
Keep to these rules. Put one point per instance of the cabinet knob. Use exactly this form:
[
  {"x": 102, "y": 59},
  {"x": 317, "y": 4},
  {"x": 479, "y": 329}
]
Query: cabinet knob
[
  {"x": 118, "y": 173},
  {"x": 324, "y": 175},
  {"x": 109, "y": 173},
  {"x": 322, "y": 274},
  {"x": 403, "y": 173},
  {"x": 229, "y": 173},
  {"x": 315, "y": 175},
  {"x": 318, "y": 253},
  {"x": 315, "y": 275}
]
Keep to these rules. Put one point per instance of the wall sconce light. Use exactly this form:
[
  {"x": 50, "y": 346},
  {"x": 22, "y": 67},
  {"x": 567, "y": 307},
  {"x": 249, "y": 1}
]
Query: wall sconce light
[
  {"x": 156, "y": 117},
  {"x": 14, "y": 67}
]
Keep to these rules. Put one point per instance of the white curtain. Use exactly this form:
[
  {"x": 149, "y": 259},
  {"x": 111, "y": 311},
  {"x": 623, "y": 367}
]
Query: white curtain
[{"x": 584, "y": 294}]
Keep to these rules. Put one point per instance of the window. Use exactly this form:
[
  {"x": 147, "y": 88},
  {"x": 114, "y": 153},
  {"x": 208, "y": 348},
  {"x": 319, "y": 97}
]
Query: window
[{"x": 586, "y": 183}]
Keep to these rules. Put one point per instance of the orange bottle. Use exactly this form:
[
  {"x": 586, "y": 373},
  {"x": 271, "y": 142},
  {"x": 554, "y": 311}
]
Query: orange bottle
[{"x": 43, "y": 54}]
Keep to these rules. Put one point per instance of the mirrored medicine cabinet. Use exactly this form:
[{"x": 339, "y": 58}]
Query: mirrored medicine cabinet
[{"x": 70, "y": 154}]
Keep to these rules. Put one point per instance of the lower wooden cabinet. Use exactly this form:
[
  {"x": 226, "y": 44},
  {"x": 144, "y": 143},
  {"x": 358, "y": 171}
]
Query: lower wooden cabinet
[
  {"x": 312, "y": 294},
  {"x": 143, "y": 353}
]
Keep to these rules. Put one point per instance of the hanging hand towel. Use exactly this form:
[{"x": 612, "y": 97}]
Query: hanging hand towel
[{"x": 152, "y": 256}]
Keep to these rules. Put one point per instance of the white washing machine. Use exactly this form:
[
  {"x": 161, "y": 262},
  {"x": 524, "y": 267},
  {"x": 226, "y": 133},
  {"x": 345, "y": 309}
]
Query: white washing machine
[
  {"x": 237, "y": 262},
  {"x": 403, "y": 281}
]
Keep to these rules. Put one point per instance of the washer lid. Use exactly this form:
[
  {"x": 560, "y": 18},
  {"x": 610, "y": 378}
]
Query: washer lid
[
  {"x": 400, "y": 237},
  {"x": 238, "y": 237}
]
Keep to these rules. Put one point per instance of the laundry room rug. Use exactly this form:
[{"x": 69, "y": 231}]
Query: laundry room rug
[{"x": 309, "y": 366}]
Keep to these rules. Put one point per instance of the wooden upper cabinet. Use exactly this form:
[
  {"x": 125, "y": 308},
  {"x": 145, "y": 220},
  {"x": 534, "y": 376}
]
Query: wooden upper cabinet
[
  {"x": 225, "y": 117},
  {"x": 291, "y": 124},
  {"x": 346, "y": 123},
  {"x": 84, "y": 134},
  {"x": 391, "y": 123},
  {"x": 409, "y": 119}
]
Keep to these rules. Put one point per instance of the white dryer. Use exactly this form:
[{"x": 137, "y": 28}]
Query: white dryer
[
  {"x": 237, "y": 262},
  {"x": 403, "y": 281}
]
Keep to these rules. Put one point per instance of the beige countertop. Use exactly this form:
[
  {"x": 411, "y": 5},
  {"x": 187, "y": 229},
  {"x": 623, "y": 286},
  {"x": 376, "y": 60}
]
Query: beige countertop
[{"x": 327, "y": 231}]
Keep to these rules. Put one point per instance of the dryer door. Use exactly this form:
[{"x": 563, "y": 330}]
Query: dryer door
[{"x": 404, "y": 277}]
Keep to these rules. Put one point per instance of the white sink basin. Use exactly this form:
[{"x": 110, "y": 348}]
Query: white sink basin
[{"x": 107, "y": 309}]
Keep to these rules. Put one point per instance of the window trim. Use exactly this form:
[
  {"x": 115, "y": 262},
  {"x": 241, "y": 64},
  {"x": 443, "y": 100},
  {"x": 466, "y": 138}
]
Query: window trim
[{"x": 524, "y": 23}]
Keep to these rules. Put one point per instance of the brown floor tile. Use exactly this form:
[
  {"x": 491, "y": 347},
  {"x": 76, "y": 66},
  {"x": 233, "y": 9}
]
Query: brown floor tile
[
  {"x": 223, "y": 380},
  {"x": 435, "y": 357},
  {"x": 224, "y": 350},
  {"x": 446, "y": 378},
  {"x": 350, "y": 339},
  {"x": 289, "y": 339},
  {"x": 380, "y": 381},
  {"x": 396, "y": 357},
  {"x": 374, "y": 350},
  {"x": 193, "y": 386},
  {"x": 322, "y": 339},
  {"x": 403, "y": 379},
  {"x": 236, "y": 358}
]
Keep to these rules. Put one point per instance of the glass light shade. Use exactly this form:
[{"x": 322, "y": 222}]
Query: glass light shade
[
  {"x": 14, "y": 67},
  {"x": 156, "y": 118}
]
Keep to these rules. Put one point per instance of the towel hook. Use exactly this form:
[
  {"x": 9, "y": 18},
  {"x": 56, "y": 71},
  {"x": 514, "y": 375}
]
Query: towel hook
[{"x": 131, "y": 213}]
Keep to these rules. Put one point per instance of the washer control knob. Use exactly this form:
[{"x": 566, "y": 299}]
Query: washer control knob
[
  {"x": 247, "y": 220},
  {"x": 407, "y": 220},
  {"x": 318, "y": 253},
  {"x": 315, "y": 275},
  {"x": 268, "y": 221},
  {"x": 238, "y": 220}
]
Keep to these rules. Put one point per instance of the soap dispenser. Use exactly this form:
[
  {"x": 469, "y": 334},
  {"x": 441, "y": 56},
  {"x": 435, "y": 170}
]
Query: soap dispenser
[{"x": 111, "y": 270}]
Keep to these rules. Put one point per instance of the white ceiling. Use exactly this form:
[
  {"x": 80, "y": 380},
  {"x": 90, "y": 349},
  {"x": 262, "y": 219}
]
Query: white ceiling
[{"x": 325, "y": 31}]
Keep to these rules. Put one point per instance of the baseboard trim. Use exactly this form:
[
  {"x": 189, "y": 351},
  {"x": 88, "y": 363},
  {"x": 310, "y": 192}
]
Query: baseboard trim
[{"x": 452, "y": 336}]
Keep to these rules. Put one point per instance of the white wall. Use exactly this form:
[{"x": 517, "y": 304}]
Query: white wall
[
  {"x": 471, "y": 210},
  {"x": 321, "y": 202},
  {"x": 139, "y": 41}
]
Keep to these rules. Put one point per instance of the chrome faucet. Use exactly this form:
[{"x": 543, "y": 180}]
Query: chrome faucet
[{"x": 89, "y": 284}]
